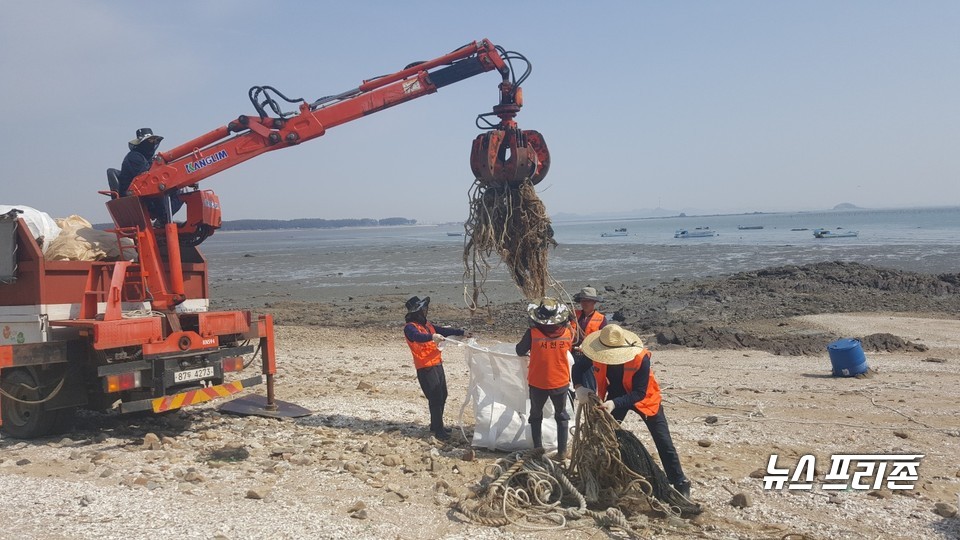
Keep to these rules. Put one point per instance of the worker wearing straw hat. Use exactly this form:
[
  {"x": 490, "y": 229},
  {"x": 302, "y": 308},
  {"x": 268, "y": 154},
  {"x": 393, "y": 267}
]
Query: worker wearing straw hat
[
  {"x": 621, "y": 366},
  {"x": 589, "y": 320},
  {"x": 548, "y": 341}
]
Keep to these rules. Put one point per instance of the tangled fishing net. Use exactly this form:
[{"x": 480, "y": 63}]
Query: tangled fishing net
[
  {"x": 612, "y": 482},
  {"x": 512, "y": 223},
  {"x": 612, "y": 465}
]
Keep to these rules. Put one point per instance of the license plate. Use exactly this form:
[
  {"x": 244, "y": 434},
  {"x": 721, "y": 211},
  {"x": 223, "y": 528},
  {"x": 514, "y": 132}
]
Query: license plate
[{"x": 193, "y": 374}]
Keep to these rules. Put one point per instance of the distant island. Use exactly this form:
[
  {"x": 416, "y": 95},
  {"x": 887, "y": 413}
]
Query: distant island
[
  {"x": 303, "y": 223},
  {"x": 846, "y": 206}
]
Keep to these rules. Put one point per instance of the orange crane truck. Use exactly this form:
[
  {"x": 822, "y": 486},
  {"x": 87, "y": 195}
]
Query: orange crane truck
[{"x": 136, "y": 334}]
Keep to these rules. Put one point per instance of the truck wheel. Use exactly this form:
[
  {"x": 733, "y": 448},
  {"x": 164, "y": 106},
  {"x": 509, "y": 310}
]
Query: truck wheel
[{"x": 24, "y": 420}]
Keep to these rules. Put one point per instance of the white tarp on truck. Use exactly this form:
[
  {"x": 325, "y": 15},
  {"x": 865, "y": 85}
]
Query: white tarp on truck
[
  {"x": 43, "y": 227},
  {"x": 499, "y": 395}
]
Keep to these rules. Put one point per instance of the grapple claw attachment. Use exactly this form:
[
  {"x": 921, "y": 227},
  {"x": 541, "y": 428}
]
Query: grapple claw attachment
[
  {"x": 539, "y": 146},
  {"x": 507, "y": 157}
]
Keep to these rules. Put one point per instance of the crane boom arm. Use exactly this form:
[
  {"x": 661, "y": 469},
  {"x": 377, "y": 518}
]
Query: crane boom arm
[{"x": 218, "y": 150}]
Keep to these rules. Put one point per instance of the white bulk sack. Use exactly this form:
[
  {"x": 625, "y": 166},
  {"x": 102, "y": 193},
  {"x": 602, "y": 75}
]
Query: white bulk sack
[
  {"x": 499, "y": 394},
  {"x": 41, "y": 225}
]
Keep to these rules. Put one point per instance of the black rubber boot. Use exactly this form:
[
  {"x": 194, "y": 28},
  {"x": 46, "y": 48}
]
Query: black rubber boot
[
  {"x": 562, "y": 435},
  {"x": 537, "y": 434}
]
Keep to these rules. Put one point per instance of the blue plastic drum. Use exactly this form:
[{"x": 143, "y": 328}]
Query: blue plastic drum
[{"x": 847, "y": 358}]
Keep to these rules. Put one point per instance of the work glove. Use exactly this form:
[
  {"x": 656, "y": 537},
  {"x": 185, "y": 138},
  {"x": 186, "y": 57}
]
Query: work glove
[
  {"x": 583, "y": 395},
  {"x": 609, "y": 406},
  {"x": 437, "y": 338}
]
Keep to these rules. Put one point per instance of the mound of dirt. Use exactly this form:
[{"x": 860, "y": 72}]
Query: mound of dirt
[
  {"x": 884, "y": 342},
  {"x": 788, "y": 291},
  {"x": 753, "y": 309}
]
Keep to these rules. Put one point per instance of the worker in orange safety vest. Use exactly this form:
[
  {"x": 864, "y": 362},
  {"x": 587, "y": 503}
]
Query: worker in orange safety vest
[
  {"x": 588, "y": 321},
  {"x": 548, "y": 341},
  {"x": 621, "y": 367},
  {"x": 423, "y": 338}
]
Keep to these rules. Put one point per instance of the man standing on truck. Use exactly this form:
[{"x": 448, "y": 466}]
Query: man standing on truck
[{"x": 137, "y": 161}]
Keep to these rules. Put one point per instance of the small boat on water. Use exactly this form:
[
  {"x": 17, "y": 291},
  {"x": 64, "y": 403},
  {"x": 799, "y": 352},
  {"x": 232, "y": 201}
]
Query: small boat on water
[
  {"x": 454, "y": 234},
  {"x": 702, "y": 233},
  {"x": 749, "y": 227},
  {"x": 616, "y": 232},
  {"x": 800, "y": 229},
  {"x": 826, "y": 233}
]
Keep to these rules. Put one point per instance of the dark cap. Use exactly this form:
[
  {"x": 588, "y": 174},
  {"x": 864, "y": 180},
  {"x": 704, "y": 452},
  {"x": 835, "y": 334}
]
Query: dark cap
[
  {"x": 144, "y": 135},
  {"x": 415, "y": 303}
]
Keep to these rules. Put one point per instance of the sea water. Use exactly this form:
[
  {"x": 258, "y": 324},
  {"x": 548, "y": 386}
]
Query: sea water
[{"x": 422, "y": 257}]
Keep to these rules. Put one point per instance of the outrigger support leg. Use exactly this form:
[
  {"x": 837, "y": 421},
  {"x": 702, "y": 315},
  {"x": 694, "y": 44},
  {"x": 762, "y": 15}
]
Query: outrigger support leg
[{"x": 255, "y": 405}]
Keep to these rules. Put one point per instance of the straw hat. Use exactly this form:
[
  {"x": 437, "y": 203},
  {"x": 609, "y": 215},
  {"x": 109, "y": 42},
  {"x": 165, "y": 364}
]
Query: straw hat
[
  {"x": 612, "y": 345},
  {"x": 549, "y": 311},
  {"x": 144, "y": 134},
  {"x": 416, "y": 303},
  {"x": 587, "y": 293}
]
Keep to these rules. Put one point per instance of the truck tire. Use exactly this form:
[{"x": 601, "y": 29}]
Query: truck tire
[{"x": 24, "y": 420}]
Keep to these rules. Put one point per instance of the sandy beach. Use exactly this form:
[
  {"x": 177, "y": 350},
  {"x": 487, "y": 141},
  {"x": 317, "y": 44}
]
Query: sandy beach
[{"x": 363, "y": 464}]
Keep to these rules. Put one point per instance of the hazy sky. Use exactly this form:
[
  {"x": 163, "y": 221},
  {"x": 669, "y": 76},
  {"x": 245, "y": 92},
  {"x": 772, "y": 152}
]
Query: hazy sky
[{"x": 718, "y": 106}]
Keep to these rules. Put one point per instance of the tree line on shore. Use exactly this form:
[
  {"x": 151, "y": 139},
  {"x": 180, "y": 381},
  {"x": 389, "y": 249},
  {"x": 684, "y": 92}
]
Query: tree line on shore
[
  {"x": 312, "y": 223},
  {"x": 304, "y": 223}
]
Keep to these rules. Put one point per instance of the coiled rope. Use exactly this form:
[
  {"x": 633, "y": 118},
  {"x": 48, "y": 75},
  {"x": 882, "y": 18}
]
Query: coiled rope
[{"x": 533, "y": 492}]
